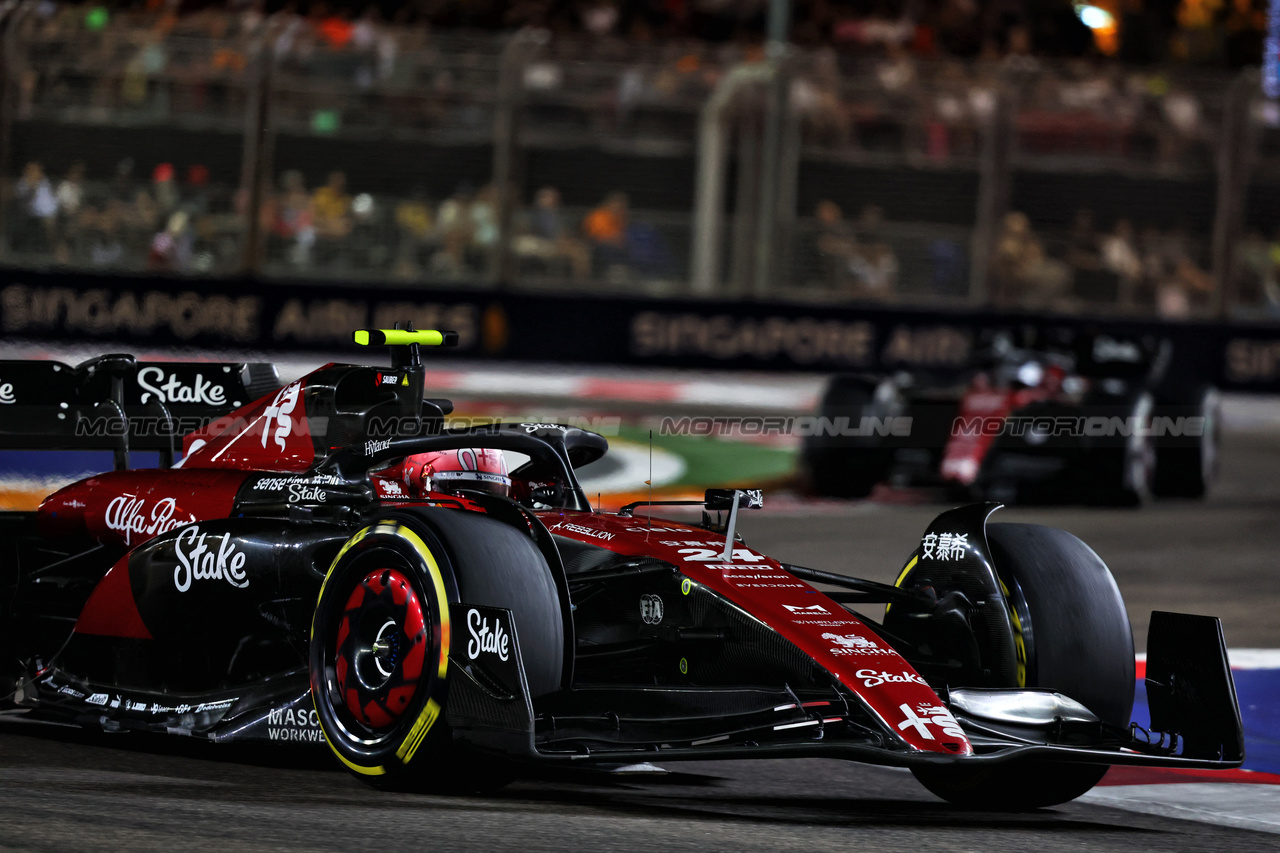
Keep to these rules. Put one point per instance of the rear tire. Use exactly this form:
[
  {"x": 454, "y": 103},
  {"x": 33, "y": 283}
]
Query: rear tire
[{"x": 1074, "y": 630}]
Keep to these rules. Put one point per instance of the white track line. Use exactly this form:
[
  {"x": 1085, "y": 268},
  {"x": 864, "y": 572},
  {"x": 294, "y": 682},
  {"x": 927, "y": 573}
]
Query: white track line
[{"x": 1245, "y": 658}]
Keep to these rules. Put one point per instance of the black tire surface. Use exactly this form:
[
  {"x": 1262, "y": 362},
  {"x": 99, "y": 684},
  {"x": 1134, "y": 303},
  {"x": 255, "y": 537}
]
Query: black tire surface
[
  {"x": 845, "y": 466},
  {"x": 498, "y": 566},
  {"x": 1079, "y": 642},
  {"x": 1123, "y": 476},
  {"x": 1187, "y": 470}
]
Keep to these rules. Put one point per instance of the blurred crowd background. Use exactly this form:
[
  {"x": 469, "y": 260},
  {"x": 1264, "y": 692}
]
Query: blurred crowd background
[{"x": 1114, "y": 157}]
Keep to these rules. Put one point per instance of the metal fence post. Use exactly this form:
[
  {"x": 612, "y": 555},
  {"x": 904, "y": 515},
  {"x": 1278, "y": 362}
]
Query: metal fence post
[
  {"x": 10, "y": 15},
  {"x": 708, "y": 212},
  {"x": 255, "y": 167},
  {"x": 506, "y": 143},
  {"x": 1237, "y": 147},
  {"x": 994, "y": 179}
]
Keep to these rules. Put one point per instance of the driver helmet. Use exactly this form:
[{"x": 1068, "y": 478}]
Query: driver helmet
[{"x": 475, "y": 469}]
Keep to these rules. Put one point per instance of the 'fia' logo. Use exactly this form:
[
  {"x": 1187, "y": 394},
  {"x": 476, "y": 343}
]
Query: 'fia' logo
[{"x": 651, "y": 609}]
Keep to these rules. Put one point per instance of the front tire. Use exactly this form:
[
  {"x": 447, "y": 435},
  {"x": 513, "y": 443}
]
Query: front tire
[
  {"x": 380, "y": 642},
  {"x": 1186, "y": 467},
  {"x": 1071, "y": 623},
  {"x": 846, "y": 466},
  {"x": 1123, "y": 476}
]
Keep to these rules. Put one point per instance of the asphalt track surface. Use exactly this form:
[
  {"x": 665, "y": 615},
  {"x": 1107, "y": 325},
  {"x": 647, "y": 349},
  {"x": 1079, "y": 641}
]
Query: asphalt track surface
[{"x": 63, "y": 789}]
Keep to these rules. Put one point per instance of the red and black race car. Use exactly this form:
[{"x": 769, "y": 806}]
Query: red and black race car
[
  {"x": 1070, "y": 418},
  {"x": 331, "y": 563}
]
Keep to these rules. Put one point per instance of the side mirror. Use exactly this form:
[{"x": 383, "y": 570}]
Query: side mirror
[{"x": 718, "y": 500}]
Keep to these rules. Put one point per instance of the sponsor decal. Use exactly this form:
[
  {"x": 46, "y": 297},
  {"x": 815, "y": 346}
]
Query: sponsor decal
[
  {"x": 944, "y": 546},
  {"x": 6, "y": 393},
  {"x": 375, "y": 445},
  {"x": 169, "y": 388},
  {"x": 536, "y": 427},
  {"x": 651, "y": 609},
  {"x": 854, "y": 644},
  {"x": 825, "y": 623},
  {"x": 391, "y": 489},
  {"x": 276, "y": 484},
  {"x": 279, "y": 412},
  {"x": 660, "y": 530},
  {"x": 871, "y": 678},
  {"x": 202, "y": 559},
  {"x": 301, "y": 725},
  {"x": 584, "y": 530},
  {"x": 925, "y": 715},
  {"x": 483, "y": 640},
  {"x": 702, "y": 555},
  {"x": 388, "y": 379},
  {"x": 97, "y": 699},
  {"x": 130, "y": 515},
  {"x": 300, "y": 492},
  {"x": 68, "y": 691},
  {"x": 813, "y": 608},
  {"x": 1106, "y": 348}
]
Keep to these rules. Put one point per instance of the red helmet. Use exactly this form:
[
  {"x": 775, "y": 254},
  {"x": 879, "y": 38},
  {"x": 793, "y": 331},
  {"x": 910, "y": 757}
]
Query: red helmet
[{"x": 477, "y": 469}]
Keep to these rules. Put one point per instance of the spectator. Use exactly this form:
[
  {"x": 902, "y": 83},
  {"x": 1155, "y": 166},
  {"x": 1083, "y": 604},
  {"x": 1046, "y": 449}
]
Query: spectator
[
  {"x": 291, "y": 221},
  {"x": 1119, "y": 256},
  {"x": 874, "y": 265},
  {"x": 835, "y": 242},
  {"x": 454, "y": 224},
  {"x": 815, "y": 98},
  {"x": 1083, "y": 251},
  {"x": 164, "y": 188},
  {"x": 171, "y": 248},
  {"x": 1021, "y": 271},
  {"x": 606, "y": 228},
  {"x": 546, "y": 238},
  {"x": 485, "y": 229},
  {"x": 38, "y": 205},
  {"x": 103, "y": 234},
  {"x": 416, "y": 226},
  {"x": 331, "y": 211},
  {"x": 70, "y": 196}
]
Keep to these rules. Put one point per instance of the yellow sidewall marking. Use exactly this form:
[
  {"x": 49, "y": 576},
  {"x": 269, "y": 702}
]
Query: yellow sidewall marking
[
  {"x": 1019, "y": 645},
  {"x": 902, "y": 576},
  {"x": 431, "y": 711}
]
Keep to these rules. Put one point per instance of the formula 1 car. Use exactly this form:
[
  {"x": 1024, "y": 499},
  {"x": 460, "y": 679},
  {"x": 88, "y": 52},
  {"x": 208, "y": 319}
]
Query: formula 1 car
[
  {"x": 1089, "y": 418},
  {"x": 332, "y": 563}
]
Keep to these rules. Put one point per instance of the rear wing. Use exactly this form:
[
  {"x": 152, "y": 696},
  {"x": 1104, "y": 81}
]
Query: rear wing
[{"x": 117, "y": 403}]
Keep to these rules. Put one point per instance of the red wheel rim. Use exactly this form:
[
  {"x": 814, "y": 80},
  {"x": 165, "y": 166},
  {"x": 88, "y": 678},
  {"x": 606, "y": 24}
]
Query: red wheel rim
[{"x": 381, "y": 649}]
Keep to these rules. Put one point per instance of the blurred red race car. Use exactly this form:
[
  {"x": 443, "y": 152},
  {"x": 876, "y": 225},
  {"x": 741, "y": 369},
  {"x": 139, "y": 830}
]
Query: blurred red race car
[{"x": 1089, "y": 418}]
